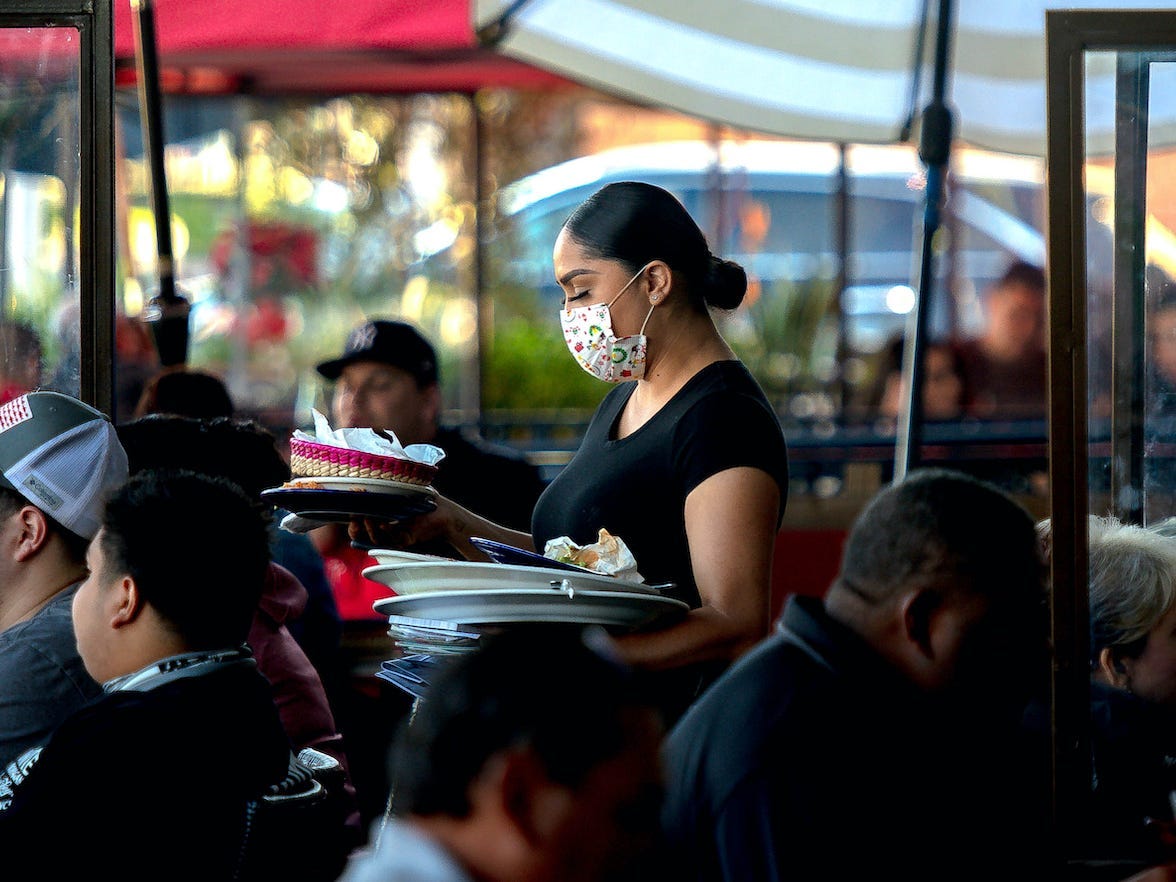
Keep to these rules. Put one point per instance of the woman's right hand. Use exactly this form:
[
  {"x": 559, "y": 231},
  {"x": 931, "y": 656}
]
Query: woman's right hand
[{"x": 406, "y": 532}]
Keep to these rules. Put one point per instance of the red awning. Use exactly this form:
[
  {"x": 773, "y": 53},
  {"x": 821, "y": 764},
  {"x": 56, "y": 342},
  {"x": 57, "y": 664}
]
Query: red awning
[{"x": 312, "y": 46}]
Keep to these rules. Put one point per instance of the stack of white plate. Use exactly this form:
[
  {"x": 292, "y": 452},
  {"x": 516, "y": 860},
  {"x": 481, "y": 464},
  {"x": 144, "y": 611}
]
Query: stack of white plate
[
  {"x": 480, "y": 593},
  {"x": 425, "y": 645},
  {"x": 431, "y": 636}
]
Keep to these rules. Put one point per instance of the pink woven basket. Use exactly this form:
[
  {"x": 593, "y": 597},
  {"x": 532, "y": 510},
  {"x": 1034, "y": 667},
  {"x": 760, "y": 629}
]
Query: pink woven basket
[{"x": 309, "y": 459}]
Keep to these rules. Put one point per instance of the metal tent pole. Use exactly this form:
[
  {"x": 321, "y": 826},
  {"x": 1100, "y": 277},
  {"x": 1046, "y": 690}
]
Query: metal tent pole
[
  {"x": 167, "y": 312},
  {"x": 934, "y": 150}
]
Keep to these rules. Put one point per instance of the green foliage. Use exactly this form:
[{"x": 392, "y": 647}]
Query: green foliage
[
  {"x": 528, "y": 366},
  {"x": 204, "y": 217},
  {"x": 787, "y": 336}
]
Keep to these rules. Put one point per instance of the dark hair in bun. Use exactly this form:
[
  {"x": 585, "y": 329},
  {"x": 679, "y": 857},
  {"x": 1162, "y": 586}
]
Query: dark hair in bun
[
  {"x": 635, "y": 223},
  {"x": 726, "y": 283}
]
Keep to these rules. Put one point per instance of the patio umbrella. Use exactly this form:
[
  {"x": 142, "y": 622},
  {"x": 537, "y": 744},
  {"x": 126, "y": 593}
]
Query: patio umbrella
[
  {"x": 294, "y": 47},
  {"x": 864, "y": 71},
  {"x": 857, "y": 71}
]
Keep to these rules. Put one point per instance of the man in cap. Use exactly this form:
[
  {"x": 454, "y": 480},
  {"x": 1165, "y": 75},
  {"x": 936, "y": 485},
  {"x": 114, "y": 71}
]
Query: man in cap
[
  {"x": 59, "y": 459},
  {"x": 386, "y": 379}
]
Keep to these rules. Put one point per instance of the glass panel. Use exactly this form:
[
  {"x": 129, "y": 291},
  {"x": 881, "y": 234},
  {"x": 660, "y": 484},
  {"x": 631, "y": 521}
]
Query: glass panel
[
  {"x": 1100, "y": 279},
  {"x": 40, "y": 157},
  {"x": 1108, "y": 390},
  {"x": 1159, "y": 339},
  {"x": 1131, "y": 306},
  {"x": 295, "y": 220},
  {"x": 1131, "y": 375}
]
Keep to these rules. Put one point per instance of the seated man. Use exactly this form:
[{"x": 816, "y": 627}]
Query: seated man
[
  {"x": 387, "y": 379},
  {"x": 166, "y": 774},
  {"x": 875, "y": 735},
  {"x": 59, "y": 458},
  {"x": 243, "y": 452},
  {"x": 530, "y": 760}
]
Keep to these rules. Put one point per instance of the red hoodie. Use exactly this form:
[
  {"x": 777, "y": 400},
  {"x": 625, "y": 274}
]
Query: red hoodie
[{"x": 297, "y": 688}]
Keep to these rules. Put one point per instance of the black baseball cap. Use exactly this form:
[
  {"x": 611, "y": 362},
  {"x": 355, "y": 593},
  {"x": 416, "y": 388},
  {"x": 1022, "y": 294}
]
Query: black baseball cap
[{"x": 389, "y": 342}]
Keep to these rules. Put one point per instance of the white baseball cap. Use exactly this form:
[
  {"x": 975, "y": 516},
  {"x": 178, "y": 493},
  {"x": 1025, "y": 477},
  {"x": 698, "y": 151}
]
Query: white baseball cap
[{"x": 61, "y": 455}]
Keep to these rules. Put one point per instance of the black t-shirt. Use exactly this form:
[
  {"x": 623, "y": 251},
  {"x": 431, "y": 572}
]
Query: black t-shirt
[{"x": 636, "y": 487}]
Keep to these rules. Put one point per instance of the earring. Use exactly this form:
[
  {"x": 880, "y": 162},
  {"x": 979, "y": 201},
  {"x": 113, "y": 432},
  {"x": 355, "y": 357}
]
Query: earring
[{"x": 654, "y": 298}]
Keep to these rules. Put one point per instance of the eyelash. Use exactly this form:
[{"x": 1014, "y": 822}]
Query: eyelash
[{"x": 578, "y": 296}]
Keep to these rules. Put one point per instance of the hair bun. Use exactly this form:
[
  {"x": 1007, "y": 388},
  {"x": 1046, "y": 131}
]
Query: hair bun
[{"x": 726, "y": 283}]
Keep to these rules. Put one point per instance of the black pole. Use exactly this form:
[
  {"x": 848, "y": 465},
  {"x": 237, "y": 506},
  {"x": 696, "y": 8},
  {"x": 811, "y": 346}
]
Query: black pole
[
  {"x": 1128, "y": 330},
  {"x": 934, "y": 150},
  {"x": 481, "y": 236},
  {"x": 167, "y": 311},
  {"x": 841, "y": 236}
]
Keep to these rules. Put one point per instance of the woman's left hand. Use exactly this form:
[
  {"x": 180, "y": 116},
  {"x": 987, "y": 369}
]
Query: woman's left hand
[{"x": 731, "y": 520}]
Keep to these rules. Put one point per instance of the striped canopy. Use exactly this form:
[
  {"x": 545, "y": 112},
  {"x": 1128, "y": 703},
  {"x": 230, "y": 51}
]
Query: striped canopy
[{"x": 834, "y": 70}]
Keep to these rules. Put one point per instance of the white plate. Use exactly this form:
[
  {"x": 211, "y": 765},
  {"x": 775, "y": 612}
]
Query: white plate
[
  {"x": 359, "y": 485},
  {"x": 390, "y": 556},
  {"x": 424, "y": 647},
  {"x": 471, "y": 575},
  {"x": 506, "y": 605}
]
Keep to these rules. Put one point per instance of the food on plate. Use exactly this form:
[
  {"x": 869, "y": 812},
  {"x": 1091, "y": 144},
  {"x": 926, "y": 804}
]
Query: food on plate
[
  {"x": 308, "y": 484},
  {"x": 608, "y": 555}
]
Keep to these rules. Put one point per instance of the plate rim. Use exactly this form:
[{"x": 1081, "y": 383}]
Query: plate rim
[
  {"x": 595, "y": 595},
  {"x": 668, "y": 603},
  {"x": 325, "y": 508},
  {"x": 479, "y": 541},
  {"x": 639, "y": 587},
  {"x": 418, "y": 557},
  {"x": 388, "y": 484}
]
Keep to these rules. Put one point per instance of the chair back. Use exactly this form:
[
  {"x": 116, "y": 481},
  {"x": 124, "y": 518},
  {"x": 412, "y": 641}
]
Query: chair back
[{"x": 295, "y": 831}]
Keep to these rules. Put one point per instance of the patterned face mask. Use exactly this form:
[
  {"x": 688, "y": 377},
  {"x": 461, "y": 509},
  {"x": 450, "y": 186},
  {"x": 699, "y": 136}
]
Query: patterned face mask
[{"x": 589, "y": 334}]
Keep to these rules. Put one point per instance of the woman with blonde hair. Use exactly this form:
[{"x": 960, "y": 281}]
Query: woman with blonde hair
[{"x": 1132, "y": 583}]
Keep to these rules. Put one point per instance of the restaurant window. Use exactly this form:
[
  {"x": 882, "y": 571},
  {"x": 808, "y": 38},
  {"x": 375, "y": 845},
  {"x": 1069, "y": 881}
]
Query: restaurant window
[
  {"x": 56, "y": 205},
  {"x": 40, "y": 156},
  {"x": 296, "y": 219}
]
